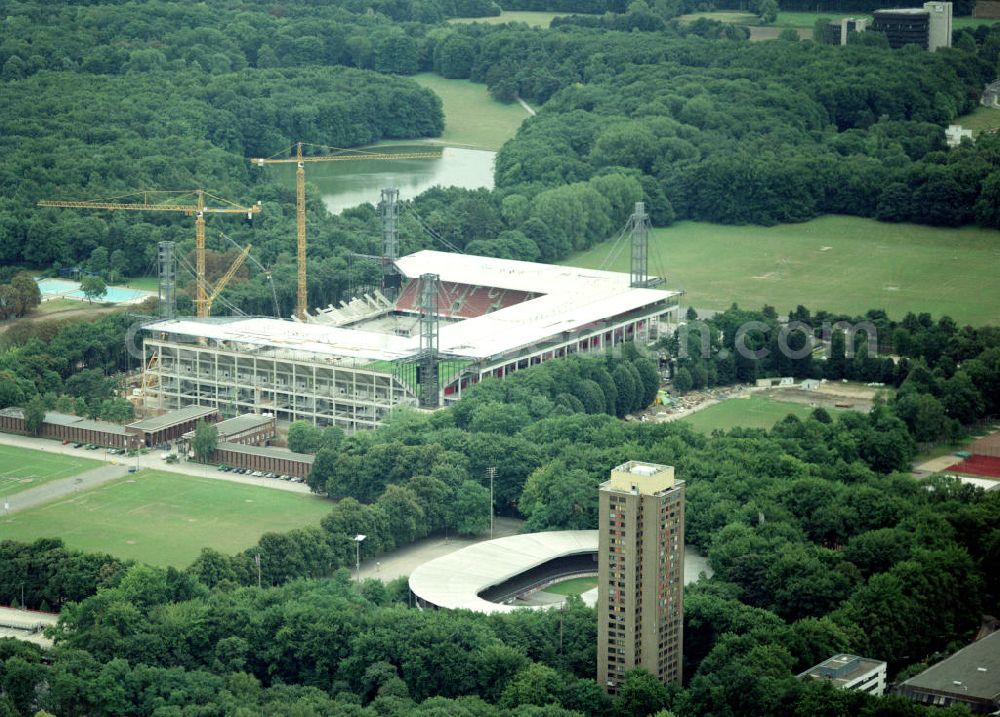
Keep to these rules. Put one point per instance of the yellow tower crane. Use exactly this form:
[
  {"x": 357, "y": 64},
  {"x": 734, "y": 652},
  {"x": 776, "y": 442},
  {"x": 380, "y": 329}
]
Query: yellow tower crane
[
  {"x": 198, "y": 210},
  {"x": 302, "y": 302},
  {"x": 230, "y": 273}
]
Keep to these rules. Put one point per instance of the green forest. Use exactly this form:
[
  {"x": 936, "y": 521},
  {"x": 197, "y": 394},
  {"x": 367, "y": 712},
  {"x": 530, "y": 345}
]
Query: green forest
[
  {"x": 820, "y": 539},
  {"x": 105, "y": 99}
]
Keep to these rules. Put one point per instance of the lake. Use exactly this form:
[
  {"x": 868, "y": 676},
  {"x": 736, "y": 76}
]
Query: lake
[{"x": 347, "y": 184}]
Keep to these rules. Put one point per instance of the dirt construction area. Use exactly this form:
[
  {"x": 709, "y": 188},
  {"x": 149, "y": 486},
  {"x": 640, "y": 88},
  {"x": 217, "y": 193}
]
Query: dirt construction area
[{"x": 829, "y": 394}]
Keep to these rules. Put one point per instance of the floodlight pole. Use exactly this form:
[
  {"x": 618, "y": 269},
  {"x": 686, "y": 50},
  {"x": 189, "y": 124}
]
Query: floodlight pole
[
  {"x": 492, "y": 471},
  {"x": 257, "y": 560},
  {"x": 357, "y": 546}
]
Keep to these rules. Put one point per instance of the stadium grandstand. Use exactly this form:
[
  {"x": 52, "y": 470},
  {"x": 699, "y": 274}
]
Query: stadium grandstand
[
  {"x": 457, "y": 319},
  {"x": 505, "y": 574}
]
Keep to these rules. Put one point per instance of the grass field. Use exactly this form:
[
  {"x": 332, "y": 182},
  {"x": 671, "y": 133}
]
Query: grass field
[
  {"x": 806, "y": 20},
  {"x": 471, "y": 117},
  {"x": 53, "y": 305},
  {"x": 752, "y": 412},
  {"x": 23, "y": 468},
  {"x": 785, "y": 19},
  {"x": 573, "y": 586},
  {"x": 837, "y": 263},
  {"x": 166, "y": 518},
  {"x": 980, "y": 119},
  {"x": 534, "y": 19}
]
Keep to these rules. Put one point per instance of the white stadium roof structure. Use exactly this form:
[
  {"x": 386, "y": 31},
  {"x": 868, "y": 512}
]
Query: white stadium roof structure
[
  {"x": 568, "y": 299},
  {"x": 455, "y": 581}
]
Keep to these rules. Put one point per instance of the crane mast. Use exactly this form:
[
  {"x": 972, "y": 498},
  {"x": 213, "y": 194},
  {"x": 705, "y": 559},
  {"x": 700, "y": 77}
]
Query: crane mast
[
  {"x": 198, "y": 210},
  {"x": 300, "y": 160}
]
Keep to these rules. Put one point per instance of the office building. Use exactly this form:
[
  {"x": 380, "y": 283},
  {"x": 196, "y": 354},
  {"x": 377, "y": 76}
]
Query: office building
[
  {"x": 850, "y": 672},
  {"x": 640, "y": 574}
]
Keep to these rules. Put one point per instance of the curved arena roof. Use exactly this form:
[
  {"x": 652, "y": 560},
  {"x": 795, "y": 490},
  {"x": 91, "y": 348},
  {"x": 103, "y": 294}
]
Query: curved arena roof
[{"x": 454, "y": 581}]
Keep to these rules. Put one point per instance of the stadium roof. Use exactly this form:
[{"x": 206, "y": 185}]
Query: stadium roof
[
  {"x": 293, "y": 335},
  {"x": 570, "y": 299},
  {"x": 526, "y": 276},
  {"x": 455, "y": 580}
]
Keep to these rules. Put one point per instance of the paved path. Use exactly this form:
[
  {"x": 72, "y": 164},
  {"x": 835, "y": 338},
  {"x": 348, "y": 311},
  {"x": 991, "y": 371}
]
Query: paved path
[
  {"x": 151, "y": 461},
  {"x": 936, "y": 465},
  {"x": 527, "y": 108},
  {"x": 401, "y": 562},
  {"x": 60, "y": 488}
]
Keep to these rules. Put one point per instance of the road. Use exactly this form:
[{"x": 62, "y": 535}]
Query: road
[
  {"x": 117, "y": 466},
  {"x": 401, "y": 562}
]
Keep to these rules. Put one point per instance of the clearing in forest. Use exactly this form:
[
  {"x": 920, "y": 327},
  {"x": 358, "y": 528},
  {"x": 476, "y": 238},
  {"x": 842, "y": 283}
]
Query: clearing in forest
[
  {"x": 166, "y": 518},
  {"x": 837, "y": 263}
]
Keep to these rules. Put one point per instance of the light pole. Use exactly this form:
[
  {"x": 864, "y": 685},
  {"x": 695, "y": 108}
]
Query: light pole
[
  {"x": 492, "y": 471},
  {"x": 357, "y": 547}
]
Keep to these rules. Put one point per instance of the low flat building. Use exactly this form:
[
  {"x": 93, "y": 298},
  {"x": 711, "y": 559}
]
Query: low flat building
[
  {"x": 970, "y": 677},
  {"x": 64, "y": 427},
  {"x": 249, "y": 429},
  {"x": 259, "y": 458},
  {"x": 850, "y": 672},
  {"x": 171, "y": 425}
]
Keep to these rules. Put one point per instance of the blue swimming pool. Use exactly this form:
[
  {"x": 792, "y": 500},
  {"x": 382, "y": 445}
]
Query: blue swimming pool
[
  {"x": 115, "y": 295},
  {"x": 62, "y": 288}
]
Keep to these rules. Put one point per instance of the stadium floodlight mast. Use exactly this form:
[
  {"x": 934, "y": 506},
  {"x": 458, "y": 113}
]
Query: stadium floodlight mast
[
  {"x": 492, "y": 472},
  {"x": 357, "y": 545}
]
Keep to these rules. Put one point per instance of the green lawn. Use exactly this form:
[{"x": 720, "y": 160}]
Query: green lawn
[
  {"x": 532, "y": 18},
  {"x": 573, "y": 586},
  {"x": 53, "y": 305},
  {"x": 24, "y": 468},
  {"x": 785, "y": 19},
  {"x": 166, "y": 518},
  {"x": 471, "y": 117},
  {"x": 980, "y": 119},
  {"x": 142, "y": 283},
  {"x": 837, "y": 263},
  {"x": 752, "y": 412}
]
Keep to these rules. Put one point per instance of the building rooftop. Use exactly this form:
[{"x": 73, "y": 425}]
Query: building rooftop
[
  {"x": 238, "y": 424},
  {"x": 172, "y": 418},
  {"x": 842, "y": 669},
  {"x": 972, "y": 672},
  {"x": 269, "y": 451},
  {"x": 64, "y": 419},
  {"x": 640, "y": 477}
]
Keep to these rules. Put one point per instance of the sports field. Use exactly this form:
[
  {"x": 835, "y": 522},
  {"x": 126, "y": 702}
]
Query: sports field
[
  {"x": 472, "y": 118},
  {"x": 751, "y": 412},
  {"x": 808, "y": 19},
  {"x": 529, "y": 17},
  {"x": 980, "y": 119},
  {"x": 573, "y": 586},
  {"x": 837, "y": 263},
  {"x": 166, "y": 518},
  {"x": 23, "y": 468}
]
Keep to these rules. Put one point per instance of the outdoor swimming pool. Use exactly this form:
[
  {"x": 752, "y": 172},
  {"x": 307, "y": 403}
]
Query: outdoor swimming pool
[{"x": 65, "y": 289}]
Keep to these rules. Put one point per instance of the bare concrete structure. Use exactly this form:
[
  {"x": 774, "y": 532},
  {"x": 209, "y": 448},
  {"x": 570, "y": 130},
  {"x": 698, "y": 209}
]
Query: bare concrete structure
[
  {"x": 640, "y": 555},
  {"x": 351, "y": 366}
]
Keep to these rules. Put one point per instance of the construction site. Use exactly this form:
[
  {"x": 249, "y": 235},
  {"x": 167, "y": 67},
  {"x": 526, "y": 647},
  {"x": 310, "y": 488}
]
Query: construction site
[{"x": 439, "y": 323}]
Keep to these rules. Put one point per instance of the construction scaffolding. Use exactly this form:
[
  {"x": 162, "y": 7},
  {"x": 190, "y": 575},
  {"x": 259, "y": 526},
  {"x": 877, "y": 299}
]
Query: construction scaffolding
[{"x": 430, "y": 321}]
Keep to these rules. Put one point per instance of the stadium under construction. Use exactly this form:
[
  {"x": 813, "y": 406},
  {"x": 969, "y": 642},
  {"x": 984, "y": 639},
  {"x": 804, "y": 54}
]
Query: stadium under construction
[{"x": 442, "y": 322}]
